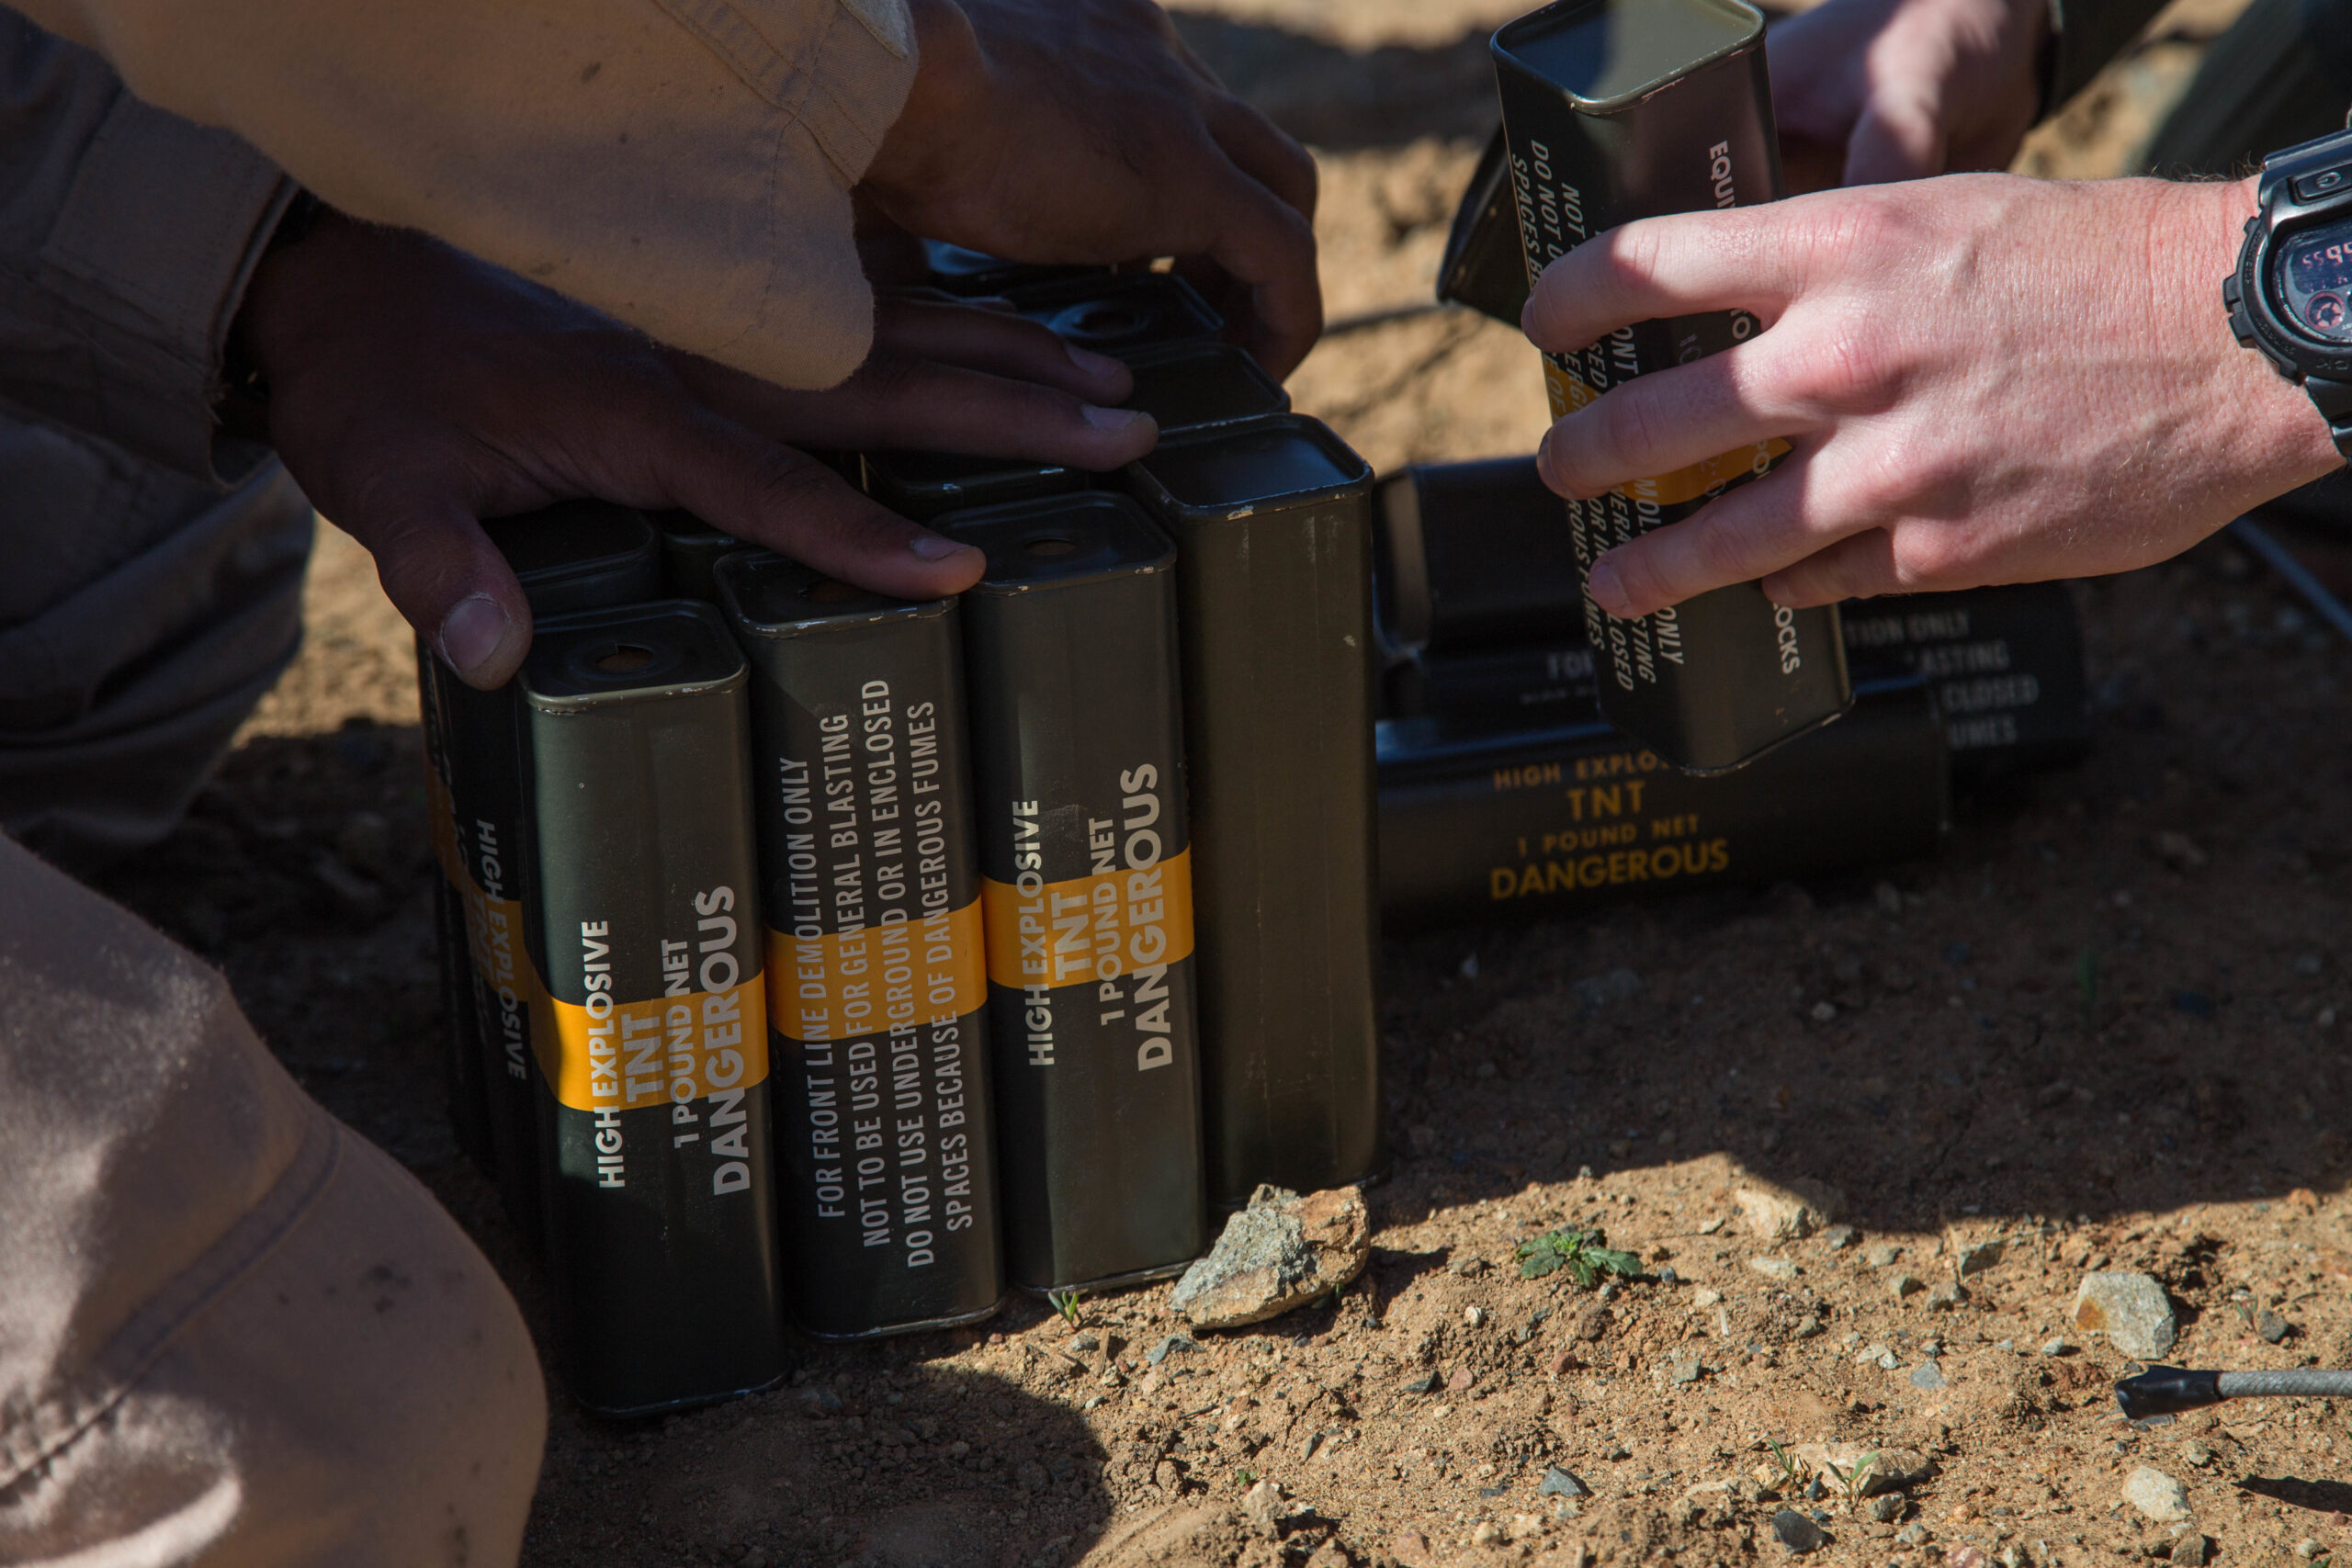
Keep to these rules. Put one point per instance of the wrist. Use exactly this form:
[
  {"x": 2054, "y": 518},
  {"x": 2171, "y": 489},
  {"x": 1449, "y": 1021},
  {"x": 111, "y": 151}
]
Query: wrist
[
  {"x": 950, "y": 71},
  {"x": 251, "y": 357}
]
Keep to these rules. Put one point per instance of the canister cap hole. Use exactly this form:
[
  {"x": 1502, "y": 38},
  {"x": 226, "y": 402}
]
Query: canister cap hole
[
  {"x": 1050, "y": 545},
  {"x": 624, "y": 658}
]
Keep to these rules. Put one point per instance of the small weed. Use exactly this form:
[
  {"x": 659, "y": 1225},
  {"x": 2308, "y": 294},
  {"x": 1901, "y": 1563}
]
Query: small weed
[
  {"x": 1792, "y": 1470},
  {"x": 1584, "y": 1254},
  {"x": 1249, "y": 1478},
  {"x": 1855, "y": 1483},
  {"x": 1066, "y": 1304}
]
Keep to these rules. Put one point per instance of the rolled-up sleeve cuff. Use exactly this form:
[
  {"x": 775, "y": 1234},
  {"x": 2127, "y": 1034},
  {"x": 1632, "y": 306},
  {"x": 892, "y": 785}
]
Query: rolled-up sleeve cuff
[{"x": 150, "y": 256}]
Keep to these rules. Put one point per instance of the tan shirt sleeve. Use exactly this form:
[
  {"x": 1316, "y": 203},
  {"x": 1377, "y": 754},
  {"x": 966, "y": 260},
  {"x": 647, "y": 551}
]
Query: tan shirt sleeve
[{"x": 681, "y": 164}]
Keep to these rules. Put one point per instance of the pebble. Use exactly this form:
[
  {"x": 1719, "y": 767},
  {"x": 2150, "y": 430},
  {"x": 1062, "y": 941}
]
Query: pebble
[
  {"x": 1927, "y": 1374},
  {"x": 1425, "y": 1383},
  {"x": 1774, "y": 1267},
  {"x": 1983, "y": 1256},
  {"x": 1881, "y": 1254},
  {"x": 1410, "y": 1548},
  {"x": 2271, "y": 1327},
  {"x": 1886, "y": 1507},
  {"x": 1912, "y": 1534},
  {"x": 1838, "y": 1238},
  {"x": 1558, "y": 1482},
  {"x": 1703, "y": 1297},
  {"x": 2193, "y": 1550},
  {"x": 1685, "y": 1369},
  {"x": 2062, "y": 1346},
  {"x": 2195, "y": 1453},
  {"x": 2156, "y": 1495},
  {"x": 1168, "y": 1347},
  {"x": 1789, "y": 1212},
  {"x": 2129, "y": 1309},
  {"x": 1079, "y": 1343},
  {"x": 1903, "y": 1286},
  {"x": 1945, "y": 1295},
  {"x": 1617, "y": 1451},
  {"x": 1824, "y": 1012},
  {"x": 1808, "y": 1325},
  {"x": 1459, "y": 1380},
  {"x": 1487, "y": 1534},
  {"x": 1262, "y": 1505},
  {"x": 1475, "y": 1316},
  {"x": 1281, "y": 1252},
  {"x": 1796, "y": 1532}
]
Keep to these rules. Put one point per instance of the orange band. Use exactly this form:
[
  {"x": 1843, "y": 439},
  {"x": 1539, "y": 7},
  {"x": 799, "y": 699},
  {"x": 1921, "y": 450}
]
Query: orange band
[
  {"x": 1090, "y": 927},
  {"x": 1569, "y": 394},
  {"x": 628, "y": 1055},
  {"x": 877, "y": 977}
]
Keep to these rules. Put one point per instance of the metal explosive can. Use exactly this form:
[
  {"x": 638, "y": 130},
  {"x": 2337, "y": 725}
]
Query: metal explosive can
[
  {"x": 1270, "y": 519},
  {"x": 464, "y": 1085},
  {"x": 887, "y": 1163},
  {"x": 1471, "y": 555},
  {"x": 1121, "y": 312},
  {"x": 690, "y": 548},
  {"x": 2004, "y": 665},
  {"x": 960, "y": 270},
  {"x": 643, "y": 914},
  {"x": 1078, "y": 748},
  {"x": 1185, "y": 385},
  {"x": 573, "y": 557},
  {"x": 1517, "y": 826},
  {"x": 925, "y": 485},
  {"x": 1483, "y": 265},
  {"x": 1619, "y": 109}
]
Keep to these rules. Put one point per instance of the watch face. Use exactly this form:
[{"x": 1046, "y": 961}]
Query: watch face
[{"x": 2315, "y": 280}]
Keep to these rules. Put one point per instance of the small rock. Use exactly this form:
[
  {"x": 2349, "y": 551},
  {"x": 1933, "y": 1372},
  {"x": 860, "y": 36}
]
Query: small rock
[
  {"x": 1822, "y": 1012},
  {"x": 1703, "y": 1298},
  {"x": 1886, "y": 1507},
  {"x": 2272, "y": 1326},
  {"x": 1281, "y": 1252},
  {"x": 1425, "y": 1383},
  {"x": 1807, "y": 1326},
  {"x": 1558, "y": 1482},
  {"x": 2307, "y": 1548},
  {"x": 1838, "y": 1238},
  {"x": 2129, "y": 1309},
  {"x": 1526, "y": 1527},
  {"x": 1774, "y": 1267},
  {"x": 2156, "y": 1495},
  {"x": 1893, "y": 1469},
  {"x": 1685, "y": 1369},
  {"x": 2062, "y": 1346},
  {"x": 1796, "y": 1532},
  {"x": 1905, "y": 1286},
  {"x": 819, "y": 1401},
  {"x": 1966, "y": 1556},
  {"x": 1080, "y": 1344},
  {"x": 1789, "y": 1211},
  {"x": 1459, "y": 1380},
  {"x": 1262, "y": 1506},
  {"x": 2195, "y": 1453},
  {"x": 1983, "y": 1256},
  {"x": 1912, "y": 1534},
  {"x": 1410, "y": 1548},
  {"x": 2192, "y": 1550},
  {"x": 1487, "y": 1533},
  {"x": 1468, "y": 1267},
  {"x": 1881, "y": 1254},
  {"x": 1592, "y": 1323},
  {"x": 1168, "y": 1347},
  {"x": 1945, "y": 1295},
  {"x": 1927, "y": 1374},
  {"x": 1475, "y": 1317},
  {"x": 1616, "y": 1451}
]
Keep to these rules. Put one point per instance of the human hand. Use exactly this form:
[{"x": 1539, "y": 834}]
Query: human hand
[
  {"x": 414, "y": 389},
  {"x": 1085, "y": 132},
  {"x": 1984, "y": 379},
  {"x": 1900, "y": 89}
]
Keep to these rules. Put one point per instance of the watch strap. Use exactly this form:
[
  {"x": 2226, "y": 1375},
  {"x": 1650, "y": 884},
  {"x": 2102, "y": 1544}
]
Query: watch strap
[{"x": 2334, "y": 401}]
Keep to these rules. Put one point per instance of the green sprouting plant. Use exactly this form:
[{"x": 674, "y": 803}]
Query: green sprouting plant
[
  {"x": 1249, "y": 1478},
  {"x": 1792, "y": 1467},
  {"x": 1066, "y": 1304},
  {"x": 1854, "y": 1483},
  {"x": 1584, "y": 1254}
]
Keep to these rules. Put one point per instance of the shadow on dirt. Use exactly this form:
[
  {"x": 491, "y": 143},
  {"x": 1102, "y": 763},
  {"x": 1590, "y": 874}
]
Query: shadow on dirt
[{"x": 1341, "y": 99}]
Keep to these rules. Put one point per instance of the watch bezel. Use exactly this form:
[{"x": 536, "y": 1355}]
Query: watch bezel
[{"x": 2296, "y": 353}]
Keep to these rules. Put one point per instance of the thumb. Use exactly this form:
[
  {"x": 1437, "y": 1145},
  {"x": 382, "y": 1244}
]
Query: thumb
[{"x": 441, "y": 571}]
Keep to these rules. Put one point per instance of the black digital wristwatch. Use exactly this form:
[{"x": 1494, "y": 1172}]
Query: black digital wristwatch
[{"x": 2290, "y": 299}]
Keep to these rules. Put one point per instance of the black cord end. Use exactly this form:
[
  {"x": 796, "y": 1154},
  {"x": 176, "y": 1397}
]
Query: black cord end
[{"x": 2167, "y": 1390}]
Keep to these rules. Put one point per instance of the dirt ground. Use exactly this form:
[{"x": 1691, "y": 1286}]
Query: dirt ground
[{"x": 2102, "y": 1028}]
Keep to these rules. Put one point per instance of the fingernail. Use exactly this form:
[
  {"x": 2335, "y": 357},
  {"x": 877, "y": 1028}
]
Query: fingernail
[
  {"x": 472, "y": 632},
  {"x": 1608, "y": 590},
  {"x": 1102, "y": 366},
  {"x": 1112, "y": 420},
  {"x": 933, "y": 546}
]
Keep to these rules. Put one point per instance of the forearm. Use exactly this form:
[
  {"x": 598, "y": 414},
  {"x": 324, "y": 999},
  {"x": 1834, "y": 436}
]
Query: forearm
[{"x": 694, "y": 184}]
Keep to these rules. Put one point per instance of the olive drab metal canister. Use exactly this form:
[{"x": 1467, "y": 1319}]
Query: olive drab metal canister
[
  {"x": 464, "y": 1084},
  {"x": 1188, "y": 384},
  {"x": 886, "y": 1158},
  {"x": 690, "y": 548},
  {"x": 1614, "y": 110},
  {"x": 576, "y": 556},
  {"x": 643, "y": 913},
  {"x": 1071, "y": 645},
  {"x": 1271, "y": 522}
]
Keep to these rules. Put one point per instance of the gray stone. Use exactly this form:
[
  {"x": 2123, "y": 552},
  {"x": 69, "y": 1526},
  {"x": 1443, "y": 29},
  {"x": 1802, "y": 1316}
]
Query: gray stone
[
  {"x": 1168, "y": 1347},
  {"x": 2271, "y": 1327},
  {"x": 1281, "y": 1252},
  {"x": 1790, "y": 1211},
  {"x": 1886, "y": 1507},
  {"x": 1558, "y": 1482},
  {"x": 2129, "y": 1309},
  {"x": 2195, "y": 1453},
  {"x": 1882, "y": 1254},
  {"x": 1905, "y": 1286},
  {"x": 1425, "y": 1383},
  {"x": 2062, "y": 1346},
  {"x": 1079, "y": 1343},
  {"x": 1912, "y": 1534},
  {"x": 1774, "y": 1267},
  {"x": 1946, "y": 1294},
  {"x": 1685, "y": 1369},
  {"x": 2193, "y": 1550},
  {"x": 1983, "y": 1256},
  {"x": 1796, "y": 1532},
  {"x": 1838, "y": 1238},
  {"x": 1262, "y": 1506},
  {"x": 2156, "y": 1495},
  {"x": 1927, "y": 1374}
]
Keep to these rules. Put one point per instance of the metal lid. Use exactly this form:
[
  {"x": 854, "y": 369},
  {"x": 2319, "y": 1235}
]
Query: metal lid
[
  {"x": 1060, "y": 541},
  {"x": 1606, "y": 54},
  {"x": 1188, "y": 384},
  {"x": 1120, "y": 313},
  {"x": 772, "y": 596},
  {"x": 578, "y": 553},
  {"x": 1228, "y": 470},
  {"x": 599, "y": 657}
]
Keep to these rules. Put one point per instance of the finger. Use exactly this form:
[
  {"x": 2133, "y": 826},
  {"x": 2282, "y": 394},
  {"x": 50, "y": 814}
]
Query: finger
[
  {"x": 1268, "y": 246},
  {"x": 1670, "y": 419},
  {"x": 443, "y": 574},
  {"x": 1741, "y": 258},
  {"x": 999, "y": 343},
  {"x": 1899, "y": 135},
  {"x": 1742, "y": 535},
  {"x": 895, "y": 402},
  {"x": 767, "y": 493},
  {"x": 1859, "y": 565},
  {"x": 1259, "y": 148}
]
